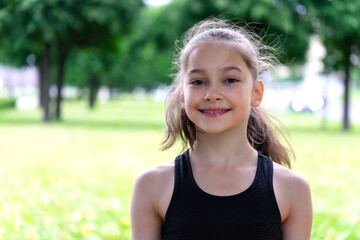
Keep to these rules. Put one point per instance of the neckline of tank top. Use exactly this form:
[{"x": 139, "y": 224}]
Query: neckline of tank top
[{"x": 246, "y": 191}]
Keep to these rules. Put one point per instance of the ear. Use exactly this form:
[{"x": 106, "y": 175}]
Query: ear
[
  {"x": 182, "y": 99},
  {"x": 258, "y": 93}
]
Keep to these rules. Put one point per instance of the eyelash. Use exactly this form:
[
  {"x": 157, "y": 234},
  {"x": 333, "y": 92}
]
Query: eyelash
[
  {"x": 227, "y": 80},
  {"x": 233, "y": 80},
  {"x": 197, "y": 82}
]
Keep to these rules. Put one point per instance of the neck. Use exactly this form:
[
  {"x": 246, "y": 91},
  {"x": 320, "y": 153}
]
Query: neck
[{"x": 223, "y": 150}]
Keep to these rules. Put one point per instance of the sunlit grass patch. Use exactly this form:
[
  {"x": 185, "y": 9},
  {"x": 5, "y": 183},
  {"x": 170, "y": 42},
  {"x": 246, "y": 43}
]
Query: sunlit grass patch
[{"x": 330, "y": 162}]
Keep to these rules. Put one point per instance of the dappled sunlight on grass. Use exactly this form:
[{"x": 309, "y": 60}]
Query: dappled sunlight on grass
[
  {"x": 331, "y": 164},
  {"x": 73, "y": 179}
]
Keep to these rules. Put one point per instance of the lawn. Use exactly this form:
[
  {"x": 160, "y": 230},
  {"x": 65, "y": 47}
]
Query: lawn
[{"x": 73, "y": 179}]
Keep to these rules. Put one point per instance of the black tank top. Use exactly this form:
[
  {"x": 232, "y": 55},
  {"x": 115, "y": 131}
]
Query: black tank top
[{"x": 194, "y": 214}]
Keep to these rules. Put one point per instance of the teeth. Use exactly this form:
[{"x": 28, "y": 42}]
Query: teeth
[{"x": 215, "y": 111}]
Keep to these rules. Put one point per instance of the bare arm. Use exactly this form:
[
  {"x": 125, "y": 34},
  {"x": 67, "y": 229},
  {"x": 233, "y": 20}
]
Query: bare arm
[
  {"x": 145, "y": 220},
  {"x": 297, "y": 225}
]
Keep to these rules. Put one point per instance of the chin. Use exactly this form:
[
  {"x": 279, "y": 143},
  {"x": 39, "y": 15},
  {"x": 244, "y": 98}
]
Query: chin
[{"x": 210, "y": 131}]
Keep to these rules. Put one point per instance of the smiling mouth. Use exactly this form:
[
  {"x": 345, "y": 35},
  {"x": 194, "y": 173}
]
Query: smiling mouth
[{"x": 216, "y": 111}]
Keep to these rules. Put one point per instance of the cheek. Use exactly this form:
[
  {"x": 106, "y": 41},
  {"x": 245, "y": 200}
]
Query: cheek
[
  {"x": 187, "y": 102},
  {"x": 190, "y": 104},
  {"x": 184, "y": 99},
  {"x": 188, "y": 96}
]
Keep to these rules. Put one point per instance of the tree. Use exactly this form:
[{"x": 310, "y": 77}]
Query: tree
[
  {"x": 338, "y": 24},
  {"x": 15, "y": 35},
  {"x": 55, "y": 28},
  {"x": 89, "y": 67}
]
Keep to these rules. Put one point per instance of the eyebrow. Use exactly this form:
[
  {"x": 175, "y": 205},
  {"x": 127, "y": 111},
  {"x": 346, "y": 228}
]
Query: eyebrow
[
  {"x": 231, "y": 68},
  {"x": 195, "y": 71},
  {"x": 225, "y": 69}
]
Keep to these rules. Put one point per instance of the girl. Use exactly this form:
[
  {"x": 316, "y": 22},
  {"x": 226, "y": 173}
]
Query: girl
[{"x": 230, "y": 183}]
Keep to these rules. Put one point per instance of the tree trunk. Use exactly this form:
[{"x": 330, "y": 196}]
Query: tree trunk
[
  {"x": 45, "y": 83},
  {"x": 346, "y": 119},
  {"x": 93, "y": 84},
  {"x": 41, "y": 85},
  {"x": 60, "y": 81}
]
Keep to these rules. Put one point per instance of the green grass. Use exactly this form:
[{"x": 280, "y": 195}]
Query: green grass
[{"x": 73, "y": 179}]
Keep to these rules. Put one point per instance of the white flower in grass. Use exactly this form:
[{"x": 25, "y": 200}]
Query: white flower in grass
[
  {"x": 91, "y": 226},
  {"x": 7, "y": 207},
  {"x": 92, "y": 238},
  {"x": 115, "y": 202},
  {"x": 45, "y": 197},
  {"x": 90, "y": 214},
  {"x": 31, "y": 202},
  {"x": 110, "y": 229},
  {"x": 31, "y": 232},
  {"x": 87, "y": 228},
  {"x": 74, "y": 216}
]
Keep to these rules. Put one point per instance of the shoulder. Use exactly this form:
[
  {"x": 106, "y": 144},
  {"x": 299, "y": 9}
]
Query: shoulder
[
  {"x": 293, "y": 195},
  {"x": 290, "y": 181},
  {"x": 153, "y": 179},
  {"x": 152, "y": 190},
  {"x": 154, "y": 186}
]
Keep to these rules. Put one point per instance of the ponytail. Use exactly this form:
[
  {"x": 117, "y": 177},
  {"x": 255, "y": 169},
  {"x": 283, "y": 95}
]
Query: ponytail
[{"x": 264, "y": 136}]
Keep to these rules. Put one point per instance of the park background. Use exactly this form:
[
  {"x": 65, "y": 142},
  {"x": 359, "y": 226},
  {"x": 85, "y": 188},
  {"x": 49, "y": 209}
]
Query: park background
[{"x": 82, "y": 97}]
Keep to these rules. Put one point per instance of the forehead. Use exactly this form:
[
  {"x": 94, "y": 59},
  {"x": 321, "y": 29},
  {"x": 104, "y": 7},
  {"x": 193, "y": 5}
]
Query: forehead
[{"x": 215, "y": 56}]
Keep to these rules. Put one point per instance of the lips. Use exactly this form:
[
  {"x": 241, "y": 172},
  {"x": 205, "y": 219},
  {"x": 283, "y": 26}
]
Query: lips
[{"x": 214, "y": 112}]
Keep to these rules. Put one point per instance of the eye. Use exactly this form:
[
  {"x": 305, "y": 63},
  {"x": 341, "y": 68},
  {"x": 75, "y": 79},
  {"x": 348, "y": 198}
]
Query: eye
[
  {"x": 231, "y": 80},
  {"x": 197, "y": 82}
]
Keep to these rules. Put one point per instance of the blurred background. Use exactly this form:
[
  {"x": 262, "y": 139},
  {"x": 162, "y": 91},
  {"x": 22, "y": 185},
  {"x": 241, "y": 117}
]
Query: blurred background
[{"x": 82, "y": 96}]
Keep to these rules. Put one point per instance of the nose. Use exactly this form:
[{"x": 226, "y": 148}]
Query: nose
[{"x": 213, "y": 95}]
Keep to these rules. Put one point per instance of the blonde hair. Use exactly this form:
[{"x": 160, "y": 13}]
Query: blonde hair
[{"x": 261, "y": 132}]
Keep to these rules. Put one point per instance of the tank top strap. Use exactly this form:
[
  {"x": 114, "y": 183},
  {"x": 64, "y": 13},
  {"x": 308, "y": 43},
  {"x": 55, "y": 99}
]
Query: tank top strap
[
  {"x": 266, "y": 170},
  {"x": 267, "y": 176},
  {"x": 183, "y": 172},
  {"x": 182, "y": 185}
]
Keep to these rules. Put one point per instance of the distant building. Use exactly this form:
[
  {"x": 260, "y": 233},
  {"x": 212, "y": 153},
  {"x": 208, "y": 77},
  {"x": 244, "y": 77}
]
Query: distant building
[{"x": 20, "y": 83}]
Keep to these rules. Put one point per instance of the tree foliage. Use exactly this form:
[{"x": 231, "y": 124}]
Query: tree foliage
[{"x": 38, "y": 26}]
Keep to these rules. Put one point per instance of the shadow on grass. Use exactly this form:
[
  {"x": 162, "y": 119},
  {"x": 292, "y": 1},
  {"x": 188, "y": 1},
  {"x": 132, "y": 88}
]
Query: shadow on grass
[
  {"x": 90, "y": 124},
  {"x": 120, "y": 124}
]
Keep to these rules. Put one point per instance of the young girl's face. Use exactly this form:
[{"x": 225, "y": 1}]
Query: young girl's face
[{"x": 218, "y": 89}]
